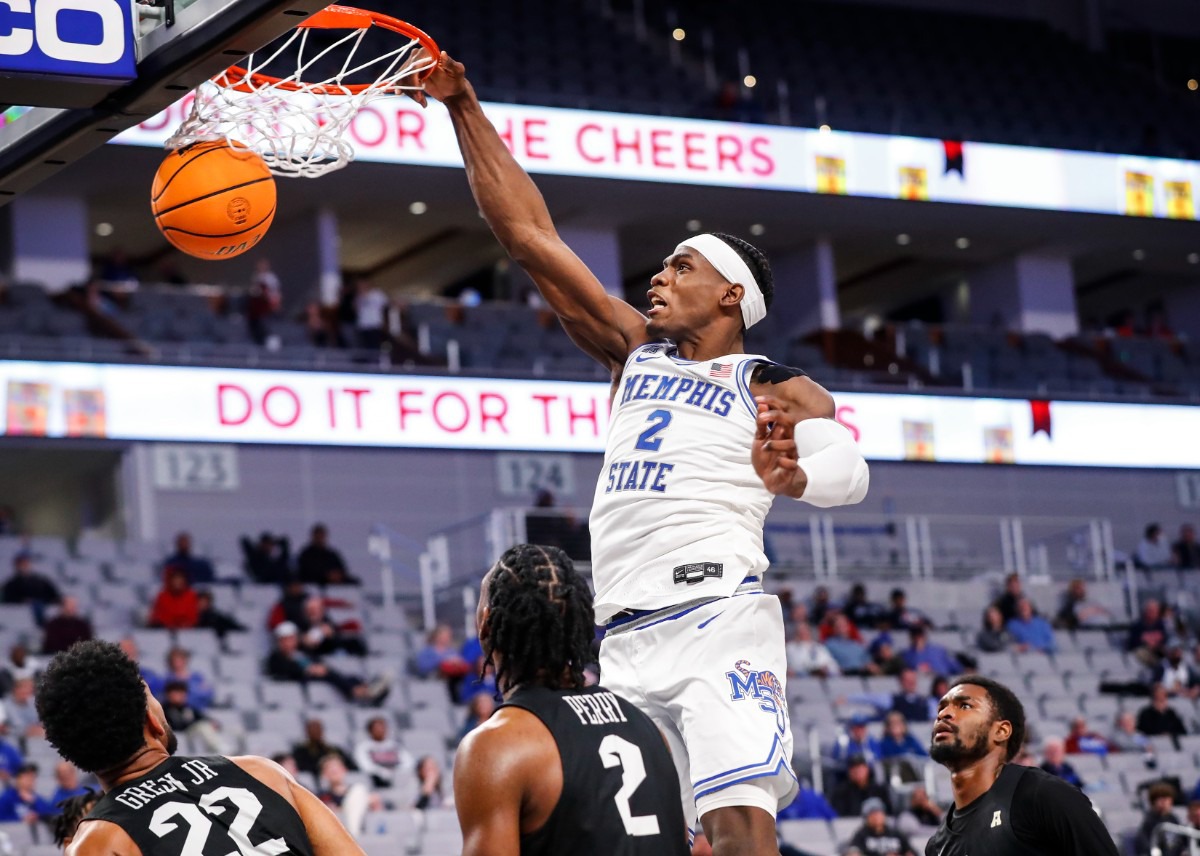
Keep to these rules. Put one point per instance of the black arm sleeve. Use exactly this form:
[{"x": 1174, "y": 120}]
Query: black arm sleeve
[{"x": 1054, "y": 817}]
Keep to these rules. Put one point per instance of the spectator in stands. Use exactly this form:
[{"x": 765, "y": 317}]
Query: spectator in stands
[
  {"x": 819, "y": 604},
  {"x": 1182, "y": 846},
  {"x": 21, "y": 716},
  {"x": 1162, "y": 800},
  {"x": 199, "y": 570},
  {"x": 21, "y": 803},
  {"x": 262, "y": 301},
  {"x": 851, "y": 657},
  {"x": 861, "y": 611},
  {"x": 921, "y": 811},
  {"x": 901, "y": 616},
  {"x": 288, "y": 663},
  {"x": 320, "y": 564},
  {"x": 1076, "y": 611},
  {"x": 308, "y": 754},
  {"x": 806, "y": 656},
  {"x": 440, "y": 658},
  {"x": 1147, "y": 639},
  {"x": 208, "y": 616},
  {"x": 10, "y": 761},
  {"x": 186, "y": 718},
  {"x": 267, "y": 560},
  {"x": 897, "y": 740},
  {"x": 381, "y": 756},
  {"x": 1029, "y": 631},
  {"x": 855, "y": 742},
  {"x": 1082, "y": 740},
  {"x": 66, "y": 628},
  {"x": 479, "y": 710},
  {"x": 129, "y": 647},
  {"x": 1152, "y": 551},
  {"x": 1007, "y": 602},
  {"x": 350, "y": 801},
  {"x": 1055, "y": 763},
  {"x": 429, "y": 779},
  {"x": 67, "y": 778},
  {"x": 850, "y": 796},
  {"x": 808, "y": 805},
  {"x": 116, "y": 269},
  {"x": 290, "y": 606},
  {"x": 826, "y": 628},
  {"x": 992, "y": 637},
  {"x": 20, "y": 665},
  {"x": 875, "y": 837},
  {"x": 1178, "y": 676},
  {"x": 321, "y": 635},
  {"x": 884, "y": 655},
  {"x": 1125, "y": 736},
  {"x": 908, "y": 700},
  {"x": 1158, "y": 717},
  {"x": 928, "y": 657},
  {"x": 176, "y": 606},
  {"x": 370, "y": 315},
  {"x": 200, "y": 692},
  {"x": 1186, "y": 551},
  {"x": 28, "y": 586}
]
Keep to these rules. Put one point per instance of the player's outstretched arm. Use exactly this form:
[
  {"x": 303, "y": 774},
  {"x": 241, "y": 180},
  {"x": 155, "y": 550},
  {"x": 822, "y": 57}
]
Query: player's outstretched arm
[
  {"x": 605, "y": 327},
  {"x": 325, "y": 832},
  {"x": 799, "y": 448}
]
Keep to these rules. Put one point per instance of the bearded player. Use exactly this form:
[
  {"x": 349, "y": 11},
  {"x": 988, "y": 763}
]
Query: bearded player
[
  {"x": 702, "y": 438},
  {"x": 1001, "y": 808}
]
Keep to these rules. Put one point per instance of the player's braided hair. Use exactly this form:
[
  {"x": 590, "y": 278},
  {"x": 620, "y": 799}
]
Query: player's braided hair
[
  {"x": 74, "y": 809},
  {"x": 92, "y": 703},
  {"x": 756, "y": 260},
  {"x": 540, "y": 619},
  {"x": 1005, "y": 705}
]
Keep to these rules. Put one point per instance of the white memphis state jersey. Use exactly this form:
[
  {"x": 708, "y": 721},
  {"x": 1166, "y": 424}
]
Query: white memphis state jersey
[{"x": 678, "y": 512}]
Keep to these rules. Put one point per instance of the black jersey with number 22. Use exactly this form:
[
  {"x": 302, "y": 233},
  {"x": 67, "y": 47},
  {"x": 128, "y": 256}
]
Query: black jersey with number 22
[
  {"x": 204, "y": 807},
  {"x": 620, "y": 794}
]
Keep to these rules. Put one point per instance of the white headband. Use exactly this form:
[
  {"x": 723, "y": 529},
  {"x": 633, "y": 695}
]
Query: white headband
[{"x": 731, "y": 266}]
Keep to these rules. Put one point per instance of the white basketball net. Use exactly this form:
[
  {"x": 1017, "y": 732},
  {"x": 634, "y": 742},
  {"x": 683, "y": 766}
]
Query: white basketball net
[{"x": 298, "y": 126}]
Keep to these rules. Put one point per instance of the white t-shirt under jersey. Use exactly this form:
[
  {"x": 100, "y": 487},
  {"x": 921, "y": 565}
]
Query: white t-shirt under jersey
[{"x": 678, "y": 512}]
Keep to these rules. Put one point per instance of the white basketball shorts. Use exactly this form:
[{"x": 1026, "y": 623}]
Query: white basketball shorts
[{"x": 711, "y": 676}]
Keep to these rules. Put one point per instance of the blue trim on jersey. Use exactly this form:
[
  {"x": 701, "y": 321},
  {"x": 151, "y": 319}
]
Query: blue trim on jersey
[
  {"x": 743, "y": 386},
  {"x": 612, "y": 625},
  {"x": 776, "y": 761},
  {"x": 709, "y": 621}
]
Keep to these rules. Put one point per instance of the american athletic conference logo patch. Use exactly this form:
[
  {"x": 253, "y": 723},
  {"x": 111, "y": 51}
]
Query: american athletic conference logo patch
[{"x": 761, "y": 686}]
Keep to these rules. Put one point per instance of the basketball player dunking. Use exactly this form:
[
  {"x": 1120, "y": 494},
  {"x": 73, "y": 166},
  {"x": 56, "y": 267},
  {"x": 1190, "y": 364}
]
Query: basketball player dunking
[
  {"x": 559, "y": 768},
  {"x": 100, "y": 716},
  {"x": 1001, "y": 808},
  {"x": 702, "y": 437}
]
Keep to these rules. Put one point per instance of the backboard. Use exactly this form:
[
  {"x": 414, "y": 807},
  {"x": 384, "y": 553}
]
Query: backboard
[{"x": 50, "y": 121}]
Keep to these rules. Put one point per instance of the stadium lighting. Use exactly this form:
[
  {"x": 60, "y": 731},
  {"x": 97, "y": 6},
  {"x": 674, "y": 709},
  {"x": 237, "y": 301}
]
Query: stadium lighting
[
  {"x": 1139, "y": 255},
  {"x": 825, "y": 129},
  {"x": 1194, "y": 258},
  {"x": 693, "y": 225},
  {"x": 678, "y": 34},
  {"x": 904, "y": 239},
  {"x": 418, "y": 208},
  {"x": 104, "y": 229},
  {"x": 1193, "y": 84},
  {"x": 962, "y": 243},
  {"x": 750, "y": 80},
  {"x": 757, "y": 229}
]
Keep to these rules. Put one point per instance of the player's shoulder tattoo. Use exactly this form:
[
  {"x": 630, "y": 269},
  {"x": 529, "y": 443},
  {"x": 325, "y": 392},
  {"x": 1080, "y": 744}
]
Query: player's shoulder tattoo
[{"x": 775, "y": 373}]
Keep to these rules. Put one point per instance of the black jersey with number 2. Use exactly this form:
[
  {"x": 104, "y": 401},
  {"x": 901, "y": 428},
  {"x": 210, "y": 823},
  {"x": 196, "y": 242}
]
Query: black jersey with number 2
[
  {"x": 204, "y": 807},
  {"x": 1027, "y": 812},
  {"x": 620, "y": 794}
]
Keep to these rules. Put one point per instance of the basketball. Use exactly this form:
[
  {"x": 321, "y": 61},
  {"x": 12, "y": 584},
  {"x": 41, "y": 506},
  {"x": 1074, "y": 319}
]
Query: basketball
[{"x": 213, "y": 200}]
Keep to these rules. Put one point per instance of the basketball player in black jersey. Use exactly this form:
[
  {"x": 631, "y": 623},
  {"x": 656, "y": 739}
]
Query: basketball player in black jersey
[
  {"x": 100, "y": 716},
  {"x": 559, "y": 768},
  {"x": 1000, "y": 808}
]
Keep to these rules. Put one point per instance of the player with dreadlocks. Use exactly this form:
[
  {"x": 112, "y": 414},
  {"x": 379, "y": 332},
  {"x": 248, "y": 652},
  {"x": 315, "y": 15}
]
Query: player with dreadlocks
[
  {"x": 99, "y": 714},
  {"x": 560, "y": 767}
]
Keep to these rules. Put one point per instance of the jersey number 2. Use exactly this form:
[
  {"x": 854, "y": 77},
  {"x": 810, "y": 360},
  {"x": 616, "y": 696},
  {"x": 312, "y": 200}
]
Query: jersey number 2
[
  {"x": 618, "y": 752},
  {"x": 648, "y": 440},
  {"x": 248, "y": 809}
]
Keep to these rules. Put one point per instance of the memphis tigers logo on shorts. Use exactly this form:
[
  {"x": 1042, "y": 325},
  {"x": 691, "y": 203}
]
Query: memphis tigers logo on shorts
[{"x": 747, "y": 684}]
